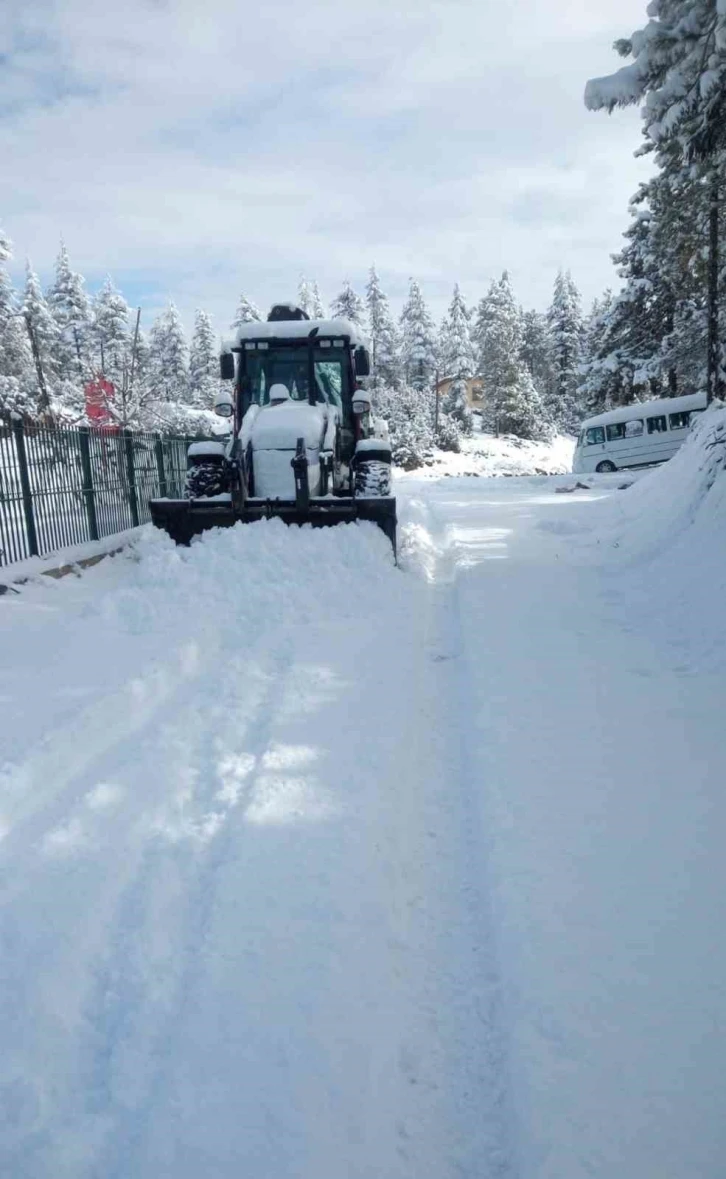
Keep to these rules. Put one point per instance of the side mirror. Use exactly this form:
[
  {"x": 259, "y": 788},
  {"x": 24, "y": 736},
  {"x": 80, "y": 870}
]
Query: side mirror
[
  {"x": 362, "y": 362},
  {"x": 223, "y": 403},
  {"x": 226, "y": 366}
]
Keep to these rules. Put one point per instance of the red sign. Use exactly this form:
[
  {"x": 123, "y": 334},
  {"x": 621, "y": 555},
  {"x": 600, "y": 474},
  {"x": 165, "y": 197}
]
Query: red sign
[{"x": 99, "y": 394}]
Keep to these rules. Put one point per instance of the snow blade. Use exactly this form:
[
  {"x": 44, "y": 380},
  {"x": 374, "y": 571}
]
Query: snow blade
[{"x": 183, "y": 519}]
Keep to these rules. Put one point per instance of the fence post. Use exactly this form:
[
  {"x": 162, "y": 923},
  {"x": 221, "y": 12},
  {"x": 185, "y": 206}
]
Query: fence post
[
  {"x": 131, "y": 474},
  {"x": 159, "y": 448},
  {"x": 89, "y": 493},
  {"x": 19, "y": 434}
]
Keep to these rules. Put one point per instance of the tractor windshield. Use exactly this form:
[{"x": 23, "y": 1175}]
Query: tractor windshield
[
  {"x": 291, "y": 367},
  {"x": 283, "y": 366}
]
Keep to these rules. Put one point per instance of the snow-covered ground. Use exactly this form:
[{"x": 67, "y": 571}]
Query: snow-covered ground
[
  {"x": 314, "y": 867},
  {"x": 484, "y": 455}
]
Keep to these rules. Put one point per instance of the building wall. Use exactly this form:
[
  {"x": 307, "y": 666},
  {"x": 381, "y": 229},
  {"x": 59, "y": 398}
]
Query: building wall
[{"x": 474, "y": 390}]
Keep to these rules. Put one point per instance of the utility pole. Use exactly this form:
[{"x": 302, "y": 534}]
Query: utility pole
[
  {"x": 78, "y": 352},
  {"x": 127, "y": 388}
]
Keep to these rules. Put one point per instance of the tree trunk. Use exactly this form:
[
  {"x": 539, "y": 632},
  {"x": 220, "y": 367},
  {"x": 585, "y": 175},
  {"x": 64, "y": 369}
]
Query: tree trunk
[
  {"x": 713, "y": 382},
  {"x": 44, "y": 400}
]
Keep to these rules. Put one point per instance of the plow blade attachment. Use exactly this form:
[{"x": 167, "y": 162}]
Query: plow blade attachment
[{"x": 183, "y": 519}]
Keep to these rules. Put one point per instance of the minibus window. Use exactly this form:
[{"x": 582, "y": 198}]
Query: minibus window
[
  {"x": 595, "y": 436},
  {"x": 679, "y": 421},
  {"x": 616, "y": 432},
  {"x": 657, "y": 425},
  {"x": 634, "y": 429}
]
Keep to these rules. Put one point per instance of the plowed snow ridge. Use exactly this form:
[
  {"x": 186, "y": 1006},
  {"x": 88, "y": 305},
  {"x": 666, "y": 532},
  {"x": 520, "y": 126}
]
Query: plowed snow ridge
[{"x": 313, "y": 867}]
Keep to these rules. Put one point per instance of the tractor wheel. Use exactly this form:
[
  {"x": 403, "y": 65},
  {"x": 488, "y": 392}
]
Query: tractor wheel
[
  {"x": 206, "y": 478},
  {"x": 372, "y": 479}
]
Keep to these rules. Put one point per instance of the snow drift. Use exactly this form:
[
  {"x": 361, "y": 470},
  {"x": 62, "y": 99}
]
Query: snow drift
[{"x": 687, "y": 490}]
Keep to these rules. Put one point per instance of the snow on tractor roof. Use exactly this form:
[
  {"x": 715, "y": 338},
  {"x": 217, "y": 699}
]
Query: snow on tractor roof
[{"x": 296, "y": 329}]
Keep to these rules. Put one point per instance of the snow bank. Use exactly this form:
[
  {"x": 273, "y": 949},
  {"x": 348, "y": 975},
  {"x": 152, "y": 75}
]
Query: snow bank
[
  {"x": 662, "y": 543},
  {"x": 688, "y": 490},
  {"x": 71, "y": 556},
  {"x": 483, "y": 455},
  {"x": 239, "y": 574}
]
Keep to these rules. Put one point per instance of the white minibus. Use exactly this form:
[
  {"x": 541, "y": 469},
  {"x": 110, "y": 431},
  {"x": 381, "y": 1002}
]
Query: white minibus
[{"x": 635, "y": 435}]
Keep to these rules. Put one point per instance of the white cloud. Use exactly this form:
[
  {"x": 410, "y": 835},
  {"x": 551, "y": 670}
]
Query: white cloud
[{"x": 197, "y": 150}]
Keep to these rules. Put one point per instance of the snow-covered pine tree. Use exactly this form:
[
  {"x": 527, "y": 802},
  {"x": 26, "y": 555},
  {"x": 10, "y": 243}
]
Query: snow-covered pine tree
[
  {"x": 304, "y": 296},
  {"x": 456, "y": 359},
  {"x": 18, "y": 382},
  {"x": 110, "y": 332},
  {"x": 521, "y": 410},
  {"x": 203, "y": 363},
  {"x": 536, "y": 352},
  {"x": 678, "y": 76},
  {"x": 564, "y": 320},
  {"x": 308, "y": 297},
  {"x": 349, "y": 305},
  {"x": 418, "y": 341},
  {"x": 650, "y": 335},
  {"x": 169, "y": 358},
  {"x": 45, "y": 332},
  {"x": 512, "y": 404},
  {"x": 138, "y": 392},
  {"x": 318, "y": 309},
  {"x": 71, "y": 310},
  {"x": 602, "y": 371},
  {"x": 385, "y": 344},
  {"x": 457, "y": 351},
  {"x": 247, "y": 312},
  {"x": 410, "y": 423},
  {"x": 8, "y": 301},
  {"x": 481, "y": 318},
  {"x": 664, "y": 265}
]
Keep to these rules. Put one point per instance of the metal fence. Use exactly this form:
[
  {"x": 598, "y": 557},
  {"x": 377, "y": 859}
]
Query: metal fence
[{"x": 61, "y": 486}]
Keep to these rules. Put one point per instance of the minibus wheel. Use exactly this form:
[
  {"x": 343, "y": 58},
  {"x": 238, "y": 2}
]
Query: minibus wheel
[{"x": 606, "y": 468}]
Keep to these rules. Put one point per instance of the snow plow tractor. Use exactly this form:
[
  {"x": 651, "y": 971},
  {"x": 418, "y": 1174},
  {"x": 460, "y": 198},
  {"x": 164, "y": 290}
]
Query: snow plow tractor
[{"x": 304, "y": 445}]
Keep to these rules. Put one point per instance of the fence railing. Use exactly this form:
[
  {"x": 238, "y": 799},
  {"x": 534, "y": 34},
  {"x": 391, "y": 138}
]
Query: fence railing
[{"x": 61, "y": 486}]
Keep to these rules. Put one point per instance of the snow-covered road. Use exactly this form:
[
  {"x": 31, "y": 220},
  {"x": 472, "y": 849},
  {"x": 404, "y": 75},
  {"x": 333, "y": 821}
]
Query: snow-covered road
[{"x": 316, "y": 868}]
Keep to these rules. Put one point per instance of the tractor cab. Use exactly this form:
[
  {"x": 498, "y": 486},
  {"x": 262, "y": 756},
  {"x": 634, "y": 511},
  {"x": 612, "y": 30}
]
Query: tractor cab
[{"x": 320, "y": 362}]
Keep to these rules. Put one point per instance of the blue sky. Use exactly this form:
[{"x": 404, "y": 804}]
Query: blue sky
[{"x": 196, "y": 150}]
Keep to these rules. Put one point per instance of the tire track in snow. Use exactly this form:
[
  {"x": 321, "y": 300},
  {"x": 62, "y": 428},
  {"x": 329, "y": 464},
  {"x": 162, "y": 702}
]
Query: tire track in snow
[
  {"x": 123, "y": 1152},
  {"x": 302, "y": 998},
  {"x": 480, "y": 1006},
  {"x": 122, "y": 1009},
  {"x": 36, "y": 789}
]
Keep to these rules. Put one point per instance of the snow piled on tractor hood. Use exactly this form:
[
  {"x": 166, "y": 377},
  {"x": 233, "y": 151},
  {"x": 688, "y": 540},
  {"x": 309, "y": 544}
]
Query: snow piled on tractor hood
[{"x": 278, "y": 427}]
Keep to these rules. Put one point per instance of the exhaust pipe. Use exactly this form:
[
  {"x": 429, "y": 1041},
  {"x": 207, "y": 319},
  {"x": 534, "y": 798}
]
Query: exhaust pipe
[{"x": 302, "y": 483}]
